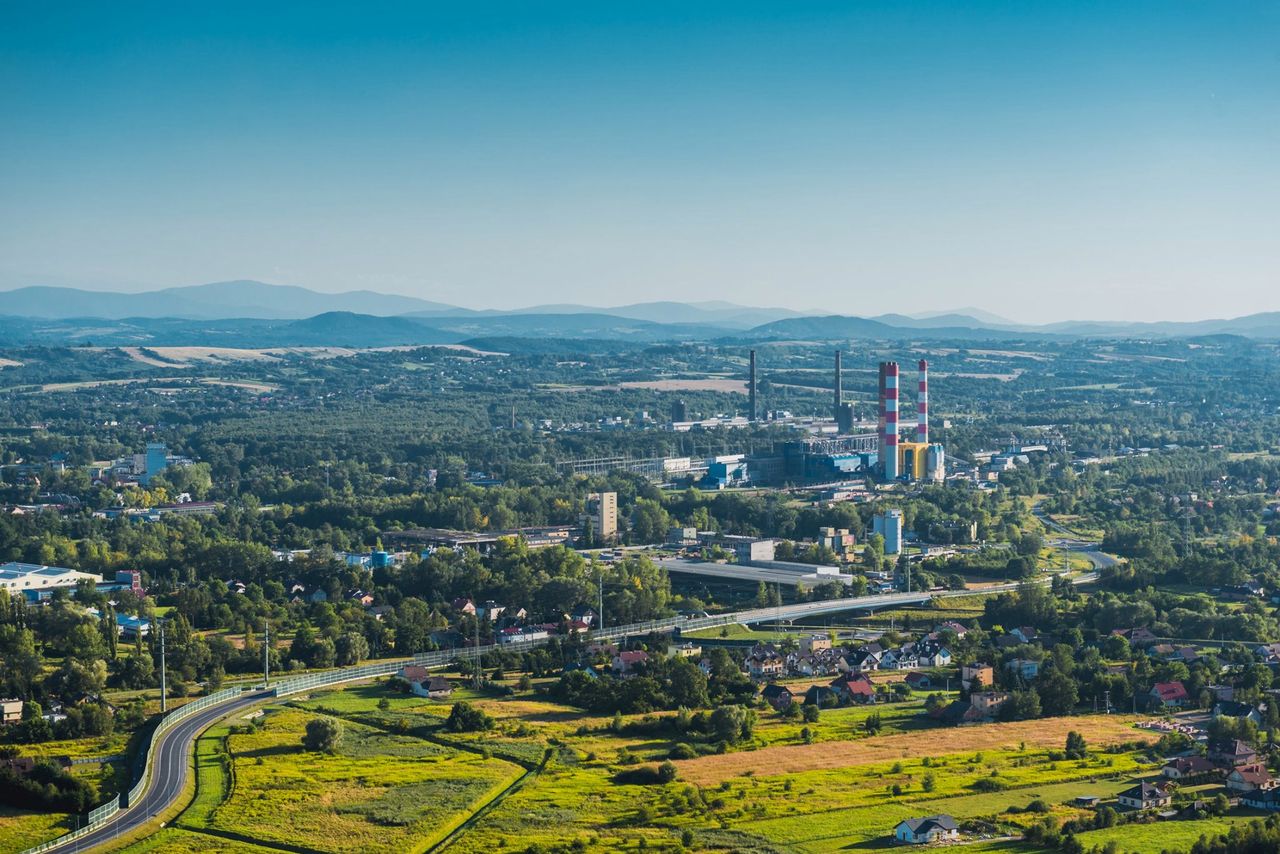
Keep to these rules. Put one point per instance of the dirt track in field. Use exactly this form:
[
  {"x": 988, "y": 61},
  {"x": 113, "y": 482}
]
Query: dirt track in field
[{"x": 1098, "y": 731}]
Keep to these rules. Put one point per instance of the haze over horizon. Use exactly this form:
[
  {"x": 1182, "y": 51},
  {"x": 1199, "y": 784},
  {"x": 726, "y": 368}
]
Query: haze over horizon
[{"x": 1049, "y": 162}]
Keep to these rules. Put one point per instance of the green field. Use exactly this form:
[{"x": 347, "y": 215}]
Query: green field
[
  {"x": 379, "y": 792},
  {"x": 20, "y": 830}
]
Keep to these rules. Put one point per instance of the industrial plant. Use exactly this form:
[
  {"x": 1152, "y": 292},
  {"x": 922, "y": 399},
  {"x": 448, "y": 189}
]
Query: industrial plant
[{"x": 831, "y": 457}]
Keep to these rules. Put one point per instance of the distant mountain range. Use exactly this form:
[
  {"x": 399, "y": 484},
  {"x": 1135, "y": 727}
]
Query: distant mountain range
[{"x": 254, "y": 314}]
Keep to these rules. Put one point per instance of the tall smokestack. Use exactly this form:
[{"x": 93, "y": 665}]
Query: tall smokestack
[
  {"x": 880, "y": 406},
  {"x": 838, "y": 396},
  {"x": 889, "y": 447},
  {"x": 922, "y": 405},
  {"x": 751, "y": 389}
]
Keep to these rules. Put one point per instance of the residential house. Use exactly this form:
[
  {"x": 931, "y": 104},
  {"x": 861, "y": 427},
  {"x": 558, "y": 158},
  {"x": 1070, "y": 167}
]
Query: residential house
[
  {"x": 984, "y": 674},
  {"x": 1025, "y": 634},
  {"x": 464, "y": 605},
  {"x": 811, "y": 644},
  {"x": 361, "y": 598},
  {"x": 688, "y": 649},
  {"x": 10, "y": 711},
  {"x": 490, "y": 610},
  {"x": 380, "y": 612},
  {"x": 1232, "y": 754},
  {"x": 821, "y": 696},
  {"x": 1238, "y": 711},
  {"x": 959, "y": 712},
  {"x": 585, "y": 614},
  {"x": 1024, "y": 668},
  {"x": 1187, "y": 768},
  {"x": 902, "y": 658},
  {"x": 765, "y": 662},
  {"x": 1268, "y": 652},
  {"x": 918, "y": 681},
  {"x": 934, "y": 828},
  {"x": 988, "y": 703},
  {"x": 958, "y": 629},
  {"x": 423, "y": 684},
  {"x": 1222, "y": 692},
  {"x": 625, "y": 663},
  {"x": 855, "y": 688},
  {"x": 860, "y": 661},
  {"x": 933, "y": 655},
  {"x": 778, "y": 696},
  {"x": 1247, "y": 590},
  {"x": 1169, "y": 695},
  {"x": 1144, "y": 796},
  {"x": 581, "y": 667},
  {"x": 1246, "y": 778}
]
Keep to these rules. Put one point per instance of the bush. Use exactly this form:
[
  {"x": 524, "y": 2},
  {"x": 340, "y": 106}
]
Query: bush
[
  {"x": 323, "y": 735},
  {"x": 683, "y": 751},
  {"x": 464, "y": 717},
  {"x": 667, "y": 772},
  {"x": 646, "y": 775},
  {"x": 987, "y": 784}
]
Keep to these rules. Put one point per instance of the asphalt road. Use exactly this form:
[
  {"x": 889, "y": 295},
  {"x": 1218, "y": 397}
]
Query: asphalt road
[
  {"x": 168, "y": 774},
  {"x": 1069, "y": 541}
]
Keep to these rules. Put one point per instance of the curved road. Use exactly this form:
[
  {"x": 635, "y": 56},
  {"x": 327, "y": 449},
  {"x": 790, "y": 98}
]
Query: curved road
[
  {"x": 168, "y": 774},
  {"x": 1070, "y": 541}
]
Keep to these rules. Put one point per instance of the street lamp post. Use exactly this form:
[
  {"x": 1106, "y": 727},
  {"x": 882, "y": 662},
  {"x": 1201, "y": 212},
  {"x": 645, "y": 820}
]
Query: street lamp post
[{"x": 164, "y": 693}]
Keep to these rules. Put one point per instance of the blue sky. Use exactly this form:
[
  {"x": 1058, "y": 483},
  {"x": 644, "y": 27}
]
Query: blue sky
[{"x": 1043, "y": 160}]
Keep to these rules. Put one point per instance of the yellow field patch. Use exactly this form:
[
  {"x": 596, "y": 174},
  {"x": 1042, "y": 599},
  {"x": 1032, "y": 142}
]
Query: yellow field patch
[{"x": 790, "y": 759}]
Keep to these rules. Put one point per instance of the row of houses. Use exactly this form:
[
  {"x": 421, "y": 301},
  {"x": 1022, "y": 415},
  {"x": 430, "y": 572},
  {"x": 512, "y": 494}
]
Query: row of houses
[{"x": 765, "y": 661}]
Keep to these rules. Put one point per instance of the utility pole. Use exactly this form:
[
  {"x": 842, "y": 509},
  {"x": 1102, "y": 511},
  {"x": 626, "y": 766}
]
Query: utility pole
[
  {"x": 600, "y": 590},
  {"x": 266, "y": 653},
  {"x": 164, "y": 692},
  {"x": 476, "y": 676}
]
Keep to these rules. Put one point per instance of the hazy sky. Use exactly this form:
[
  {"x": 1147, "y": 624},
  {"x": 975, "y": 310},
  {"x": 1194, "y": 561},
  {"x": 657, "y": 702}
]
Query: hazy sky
[{"x": 1041, "y": 160}]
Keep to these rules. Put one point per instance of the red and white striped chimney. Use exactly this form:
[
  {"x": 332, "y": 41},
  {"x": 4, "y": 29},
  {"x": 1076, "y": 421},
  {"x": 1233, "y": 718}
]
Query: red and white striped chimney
[
  {"x": 889, "y": 448},
  {"x": 922, "y": 405}
]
